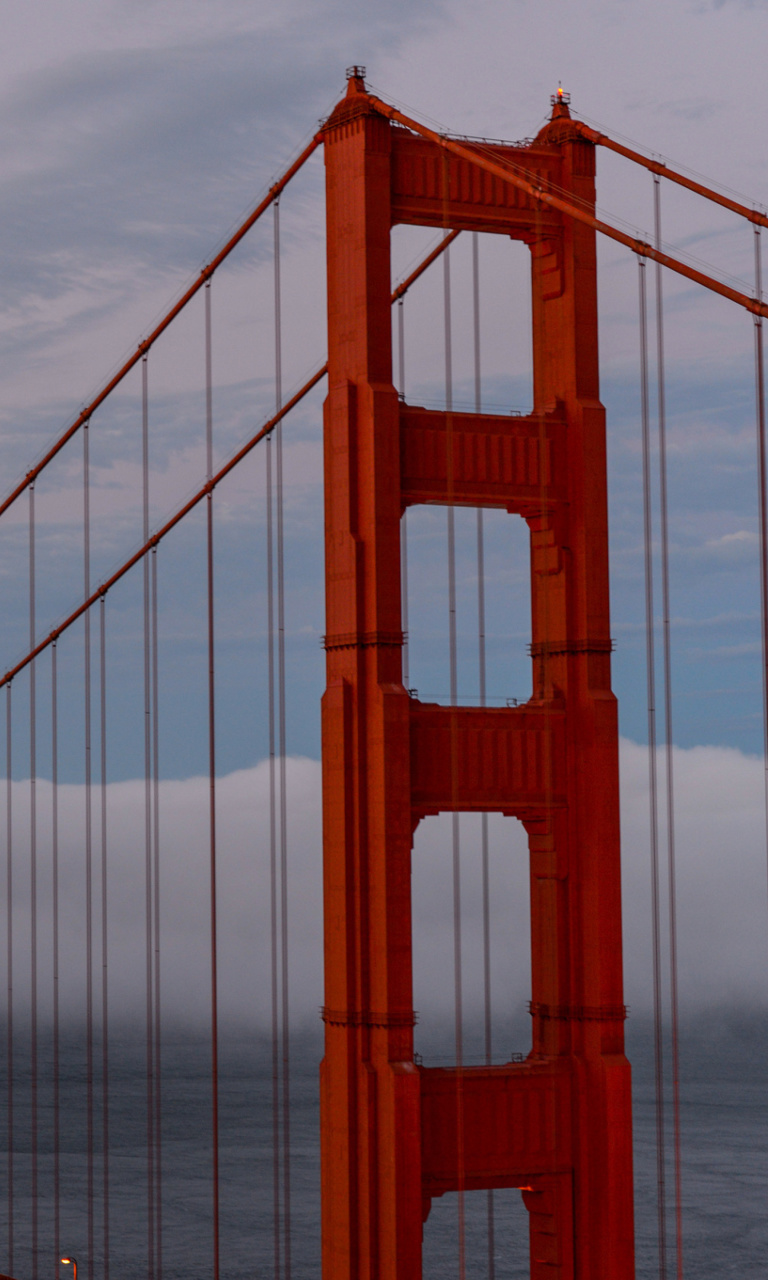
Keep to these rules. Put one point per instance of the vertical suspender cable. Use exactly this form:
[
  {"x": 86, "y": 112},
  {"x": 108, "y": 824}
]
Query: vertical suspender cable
[
  {"x": 281, "y": 720},
  {"x": 453, "y": 670},
  {"x": 151, "y": 870},
  {"x": 481, "y": 655},
  {"x": 650, "y": 659},
  {"x": 55, "y": 943},
  {"x": 104, "y": 940},
  {"x": 88, "y": 847},
  {"x": 663, "y": 504},
  {"x": 404, "y": 518},
  {"x": 33, "y": 1080},
  {"x": 9, "y": 968},
  {"x": 401, "y": 346},
  {"x": 273, "y": 868},
  {"x": 212, "y": 788},
  {"x": 148, "y": 915},
  {"x": 156, "y": 899},
  {"x": 273, "y": 887},
  {"x": 762, "y": 483}
]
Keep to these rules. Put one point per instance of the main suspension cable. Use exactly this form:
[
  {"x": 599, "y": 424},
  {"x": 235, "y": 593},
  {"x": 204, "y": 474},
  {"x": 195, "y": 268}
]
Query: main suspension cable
[
  {"x": 650, "y": 661},
  {"x": 202, "y": 279},
  {"x": 664, "y": 170},
  {"x": 581, "y": 212},
  {"x": 264, "y": 432},
  {"x": 670, "y": 787}
]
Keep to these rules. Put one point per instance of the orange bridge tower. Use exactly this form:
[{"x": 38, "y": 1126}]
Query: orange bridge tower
[{"x": 558, "y": 1125}]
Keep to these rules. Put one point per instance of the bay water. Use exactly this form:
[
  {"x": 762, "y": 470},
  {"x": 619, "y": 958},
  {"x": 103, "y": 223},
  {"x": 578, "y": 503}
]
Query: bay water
[{"x": 724, "y": 1143}]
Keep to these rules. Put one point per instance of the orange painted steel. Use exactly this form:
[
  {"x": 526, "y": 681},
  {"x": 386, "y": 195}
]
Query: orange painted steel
[
  {"x": 558, "y": 1126},
  {"x": 663, "y": 170},
  {"x": 491, "y": 158}
]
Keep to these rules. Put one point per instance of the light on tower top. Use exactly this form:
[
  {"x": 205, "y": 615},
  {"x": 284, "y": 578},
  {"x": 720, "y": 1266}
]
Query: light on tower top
[{"x": 561, "y": 98}]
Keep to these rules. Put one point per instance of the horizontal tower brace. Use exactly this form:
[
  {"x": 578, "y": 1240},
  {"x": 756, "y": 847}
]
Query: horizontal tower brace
[
  {"x": 511, "y": 1120},
  {"x": 482, "y": 460},
  {"x": 486, "y": 759}
]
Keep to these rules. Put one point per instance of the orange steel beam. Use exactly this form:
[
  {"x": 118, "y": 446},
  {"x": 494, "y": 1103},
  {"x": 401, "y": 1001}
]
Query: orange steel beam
[
  {"x": 662, "y": 169},
  {"x": 162, "y": 325},
  {"x": 538, "y": 192}
]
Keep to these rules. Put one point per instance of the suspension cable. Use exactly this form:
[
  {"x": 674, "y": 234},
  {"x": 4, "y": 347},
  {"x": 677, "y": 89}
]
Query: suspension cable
[
  {"x": 199, "y": 282},
  {"x": 581, "y": 213},
  {"x": 762, "y": 485},
  {"x": 105, "y": 1099},
  {"x": 273, "y": 886},
  {"x": 273, "y": 867},
  {"x": 455, "y": 831},
  {"x": 156, "y": 538},
  {"x": 156, "y": 921},
  {"x": 33, "y": 1054},
  {"x": 418, "y": 271},
  {"x": 88, "y": 850},
  {"x": 662, "y": 169},
  {"x": 55, "y": 943},
  {"x": 481, "y": 663},
  {"x": 404, "y": 519},
  {"x": 9, "y": 969},
  {"x": 650, "y": 661},
  {"x": 148, "y": 913},
  {"x": 670, "y": 788},
  {"x": 282, "y": 747},
  {"x": 212, "y": 788}
]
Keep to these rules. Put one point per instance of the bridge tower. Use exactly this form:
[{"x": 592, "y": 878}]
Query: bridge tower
[{"x": 558, "y": 1125}]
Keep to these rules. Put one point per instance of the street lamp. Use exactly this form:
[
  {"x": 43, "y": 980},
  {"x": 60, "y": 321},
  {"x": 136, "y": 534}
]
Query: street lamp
[{"x": 73, "y": 1263}]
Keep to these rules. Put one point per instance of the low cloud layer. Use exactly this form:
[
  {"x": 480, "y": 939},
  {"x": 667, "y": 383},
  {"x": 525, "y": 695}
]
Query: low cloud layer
[{"x": 721, "y": 882}]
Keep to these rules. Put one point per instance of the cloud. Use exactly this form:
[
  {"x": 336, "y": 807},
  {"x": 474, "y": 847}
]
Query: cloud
[
  {"x": 721, "y": 890},
  {"x": 721, "y": 876},
  {"x": 243, "y": 889}
]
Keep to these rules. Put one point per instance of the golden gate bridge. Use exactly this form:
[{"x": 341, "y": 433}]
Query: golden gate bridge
[{"x": 396, "y": 1135}]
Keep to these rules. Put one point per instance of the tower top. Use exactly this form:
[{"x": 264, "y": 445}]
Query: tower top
[
  {"x": 560, "y": 104},
  {"x": 356, "y": 78}
]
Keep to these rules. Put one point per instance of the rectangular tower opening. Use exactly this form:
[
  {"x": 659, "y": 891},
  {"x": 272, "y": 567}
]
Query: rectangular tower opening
[
  {"x": 506, "y": 1240},
  {"x": 504, "y": 314},
  {"x": 509, "y": 939},
  {"x": 507, "y": 605}
]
